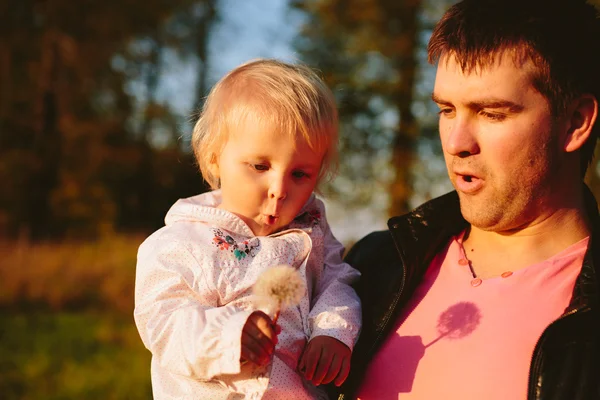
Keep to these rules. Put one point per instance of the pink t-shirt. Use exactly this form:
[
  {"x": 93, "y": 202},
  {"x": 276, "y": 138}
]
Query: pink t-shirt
[{"x": 460, "y": 339}]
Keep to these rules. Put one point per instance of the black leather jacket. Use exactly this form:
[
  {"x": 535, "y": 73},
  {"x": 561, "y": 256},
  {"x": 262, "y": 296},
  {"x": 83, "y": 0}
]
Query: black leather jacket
[{"x": 566, "y": 360}]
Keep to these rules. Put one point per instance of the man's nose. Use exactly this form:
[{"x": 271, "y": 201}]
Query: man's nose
[{"x": 460, "y": 137}]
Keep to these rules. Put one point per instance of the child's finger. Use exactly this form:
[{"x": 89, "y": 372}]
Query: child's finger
[
  {"x": 322, "y": 367},
  {"x": 258, "y": 338},
  {"x": 302, "y": 363},
  {"x": 344, "y": 371},
  {"x": 260, "y": 326},
  {"x": 266, "y": 339},
  {"x": 253, "y": 351},
  {"x": 268, "y": 327},
  {"x": 249, "y": 354},
  {"x": 310, "y": 362},
  {"x": 334, "y": 369}
]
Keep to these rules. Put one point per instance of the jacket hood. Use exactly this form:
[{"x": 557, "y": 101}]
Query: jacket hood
[
  {"x": 204, "y": 208},
  {"x": 199, "y": 208}
]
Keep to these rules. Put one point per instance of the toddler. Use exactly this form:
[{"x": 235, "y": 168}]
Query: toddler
[{"x": 266, "y": 137}]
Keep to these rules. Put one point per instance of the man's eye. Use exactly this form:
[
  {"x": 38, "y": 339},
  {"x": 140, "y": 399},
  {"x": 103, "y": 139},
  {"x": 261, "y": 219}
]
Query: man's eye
[
  {"x": 260, "y": 167},
  {"x": 446, "y": 111},
  {"x": 493, "y": 116}
]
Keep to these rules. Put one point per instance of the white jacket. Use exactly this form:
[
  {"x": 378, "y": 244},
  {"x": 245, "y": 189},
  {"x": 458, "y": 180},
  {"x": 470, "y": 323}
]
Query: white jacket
[{"x": 193, "y": 294}]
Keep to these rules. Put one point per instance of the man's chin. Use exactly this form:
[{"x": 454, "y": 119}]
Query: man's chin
[
  {"x": 473, "y": 212},
  {"x": 482, "y": 218}
]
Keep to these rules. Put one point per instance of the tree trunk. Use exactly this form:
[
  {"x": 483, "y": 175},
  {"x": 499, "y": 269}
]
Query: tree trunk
[
  {"x": 403, "y": 145},
  {"x": 47, "y": 141},
  {"x": 202, "y": 39}
]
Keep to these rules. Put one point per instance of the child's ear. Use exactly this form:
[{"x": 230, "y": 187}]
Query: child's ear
[
  {"x": 214, "y": 165},
  {"x": 581, "y": 121}
]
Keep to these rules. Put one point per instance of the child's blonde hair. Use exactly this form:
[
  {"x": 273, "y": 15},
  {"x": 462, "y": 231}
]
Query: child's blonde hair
[{"x": 290, "y": 98}]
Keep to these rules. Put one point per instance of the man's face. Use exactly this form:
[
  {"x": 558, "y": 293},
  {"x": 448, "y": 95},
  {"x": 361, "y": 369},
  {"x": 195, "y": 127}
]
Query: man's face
[{"x": 501, "y": 144}]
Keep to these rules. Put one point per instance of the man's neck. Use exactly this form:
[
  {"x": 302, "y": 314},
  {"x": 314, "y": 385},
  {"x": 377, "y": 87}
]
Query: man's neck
[{"x": 492, "y": 253}]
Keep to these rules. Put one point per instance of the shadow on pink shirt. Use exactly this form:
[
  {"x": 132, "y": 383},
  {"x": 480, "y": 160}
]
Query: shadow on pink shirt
[{"x": 456, "y": 322}]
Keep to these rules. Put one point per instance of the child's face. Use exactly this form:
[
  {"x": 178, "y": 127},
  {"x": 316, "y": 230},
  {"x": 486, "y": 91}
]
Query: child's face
[{"x": 265, "y": 177}]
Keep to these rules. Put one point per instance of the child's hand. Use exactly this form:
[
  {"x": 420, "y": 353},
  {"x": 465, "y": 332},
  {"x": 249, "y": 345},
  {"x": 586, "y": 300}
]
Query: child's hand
[
  {"x": 259, "y": 337},
  {"x": 324, "y": 360}
]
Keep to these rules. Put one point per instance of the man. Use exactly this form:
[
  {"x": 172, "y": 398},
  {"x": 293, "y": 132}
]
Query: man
[{"x": 492, "y": 291}]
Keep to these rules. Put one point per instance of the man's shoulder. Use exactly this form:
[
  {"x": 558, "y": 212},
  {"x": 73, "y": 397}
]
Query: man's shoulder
[
  {"x": 376, "y": 246},
  {"x": 375, "y": 239},
  {"x": 413, "y": 232}
]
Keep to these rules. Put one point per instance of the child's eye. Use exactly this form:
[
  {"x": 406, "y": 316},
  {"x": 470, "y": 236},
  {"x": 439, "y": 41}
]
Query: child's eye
[
  {"x": 299, "y": 174},
  {"x": 260, "y": 167}
]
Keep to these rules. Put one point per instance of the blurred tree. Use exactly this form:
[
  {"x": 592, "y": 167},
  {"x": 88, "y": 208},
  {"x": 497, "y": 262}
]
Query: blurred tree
[
  {"x": 70, "y": 156},
  {"x": 592, "y": 176},
  {"x": 182, "y": 37},
  {"x": 206, "y": 16},
  {"x": 369, "y": 53}
]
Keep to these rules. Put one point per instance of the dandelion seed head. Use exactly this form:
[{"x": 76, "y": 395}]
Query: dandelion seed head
[{"x": 281, "y": 284}]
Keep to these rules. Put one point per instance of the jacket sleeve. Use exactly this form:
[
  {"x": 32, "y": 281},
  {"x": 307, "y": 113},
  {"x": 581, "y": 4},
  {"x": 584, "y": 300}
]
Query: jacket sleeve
[
  {"x": 335, "y": 307},
  {"x": 177, "y": 312}
]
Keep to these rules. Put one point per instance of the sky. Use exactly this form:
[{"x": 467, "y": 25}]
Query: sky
[
  {"x": 252, "y": 29},
  {"x": 247, "y": 30}
]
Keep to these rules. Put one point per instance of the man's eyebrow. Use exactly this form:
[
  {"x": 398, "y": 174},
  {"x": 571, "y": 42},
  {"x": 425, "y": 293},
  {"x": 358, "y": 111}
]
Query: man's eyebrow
[
  {"x": 495, "y": 103},
  {"x": 484, "y": 103},
  {"x": 438, "y": 100}
]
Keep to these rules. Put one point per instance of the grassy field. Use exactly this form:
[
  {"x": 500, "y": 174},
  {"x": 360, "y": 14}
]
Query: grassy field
[{"x": 66, "y": 326}]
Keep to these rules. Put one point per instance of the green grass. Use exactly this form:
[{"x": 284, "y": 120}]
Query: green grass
[
  {"x": 79, "y": 355},
  {"x": 66, "y": 321}
]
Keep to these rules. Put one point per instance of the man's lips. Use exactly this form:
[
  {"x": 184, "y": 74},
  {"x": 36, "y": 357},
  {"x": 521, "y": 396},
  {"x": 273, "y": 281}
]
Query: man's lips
[
  {"x": 465, "y": 172},
  {"x": 467, "y": 183}
]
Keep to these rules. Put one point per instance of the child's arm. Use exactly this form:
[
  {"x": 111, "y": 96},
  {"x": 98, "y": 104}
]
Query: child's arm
[
  {"x": 335, "y": 306},
  {"x": 335, "y": 318},
  {"x": 178, "y": 315}
]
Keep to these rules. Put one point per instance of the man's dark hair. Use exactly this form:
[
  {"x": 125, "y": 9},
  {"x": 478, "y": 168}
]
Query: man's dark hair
[{"x": 560, "y": 37}]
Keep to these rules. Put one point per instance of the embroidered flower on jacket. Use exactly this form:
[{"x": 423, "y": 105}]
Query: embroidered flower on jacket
[
  {"x": 312, "y": 217},
  {"x": 240, "y": 250}
]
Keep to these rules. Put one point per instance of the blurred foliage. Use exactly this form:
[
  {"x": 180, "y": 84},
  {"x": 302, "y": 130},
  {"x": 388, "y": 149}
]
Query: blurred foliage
[
  {"x": 69, "y": 275},
  {"x": 71, "y": 161},
  {"x": 370, "y": 53},
  {"x": 88, "y": 146}
]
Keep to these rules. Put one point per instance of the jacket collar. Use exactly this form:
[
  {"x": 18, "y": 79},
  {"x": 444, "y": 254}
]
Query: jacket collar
[
  {"x": 587, "y": 286},
  {"x": 422, "y": 233}
]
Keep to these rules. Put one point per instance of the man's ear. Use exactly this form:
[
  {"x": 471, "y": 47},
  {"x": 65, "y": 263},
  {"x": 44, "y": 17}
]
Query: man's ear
[{"x": 582, "y": 116}]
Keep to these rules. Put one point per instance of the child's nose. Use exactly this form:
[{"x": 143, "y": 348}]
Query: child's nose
[{"x": 277, "y": 189}]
